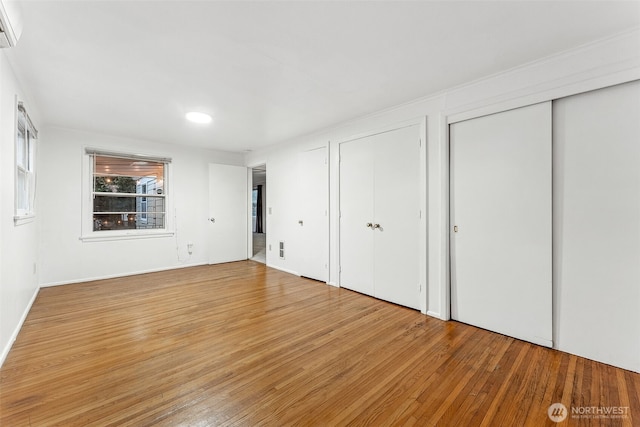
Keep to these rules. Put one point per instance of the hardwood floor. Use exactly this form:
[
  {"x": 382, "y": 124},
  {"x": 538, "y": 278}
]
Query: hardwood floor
[{"x": 240, "y": 344}]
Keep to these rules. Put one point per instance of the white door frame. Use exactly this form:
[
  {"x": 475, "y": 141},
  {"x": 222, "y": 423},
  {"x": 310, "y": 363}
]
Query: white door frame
[{"x": 250, "y": 204}]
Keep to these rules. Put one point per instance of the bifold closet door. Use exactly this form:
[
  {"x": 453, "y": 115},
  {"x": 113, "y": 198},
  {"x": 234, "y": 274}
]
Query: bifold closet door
[
  {"x": 356, "y": 216},
  {"x": 397, "y": 211},
  {"x": 501, "y": 221},
  {"x": 380, "y": 217}
]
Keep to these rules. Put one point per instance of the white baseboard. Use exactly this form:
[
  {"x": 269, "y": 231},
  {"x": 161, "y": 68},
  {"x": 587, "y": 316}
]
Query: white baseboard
[
  {"x": 295, "y": 273},
  {"x": 434, "y": 314},
  {"x": 334, "y": 284},
  {"x": 545, "y": 342},
  {"x": 14, "y": 335},
  {"x": 113, "y": 276}
]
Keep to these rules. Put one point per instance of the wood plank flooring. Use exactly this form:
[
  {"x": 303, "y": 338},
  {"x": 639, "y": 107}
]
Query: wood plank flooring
[{"x": 241, "y": 344}]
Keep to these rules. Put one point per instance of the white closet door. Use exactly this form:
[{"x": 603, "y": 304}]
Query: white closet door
[
  {"x": 397, "y": 210},
  {"x": 501, "y": 206},
  {"x": 597, "y": 224},
  {"x": 313, "y": 220},
  {"x": 228, "y": 213},
  {"x": 356, "y": 213}
]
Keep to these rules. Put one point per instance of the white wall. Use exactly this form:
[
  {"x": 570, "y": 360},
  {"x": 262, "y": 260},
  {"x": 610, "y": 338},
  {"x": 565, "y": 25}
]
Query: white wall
[
  {"x": 600, "y": 64},
  {"x": 18, "y": 243},
  {"x": 65, "y": 258}
]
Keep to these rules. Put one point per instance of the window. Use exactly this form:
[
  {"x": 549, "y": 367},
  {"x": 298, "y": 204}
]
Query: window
[
  {"x": 25, "y": 180},
  {"x": 127, "y": 194}
]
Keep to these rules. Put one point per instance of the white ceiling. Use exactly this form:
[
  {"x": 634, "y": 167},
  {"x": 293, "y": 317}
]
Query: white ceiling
[{"x": 270, "y": 71}]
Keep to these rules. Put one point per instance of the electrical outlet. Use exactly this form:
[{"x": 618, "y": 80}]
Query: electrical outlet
[{"x": 190, "y": 247}]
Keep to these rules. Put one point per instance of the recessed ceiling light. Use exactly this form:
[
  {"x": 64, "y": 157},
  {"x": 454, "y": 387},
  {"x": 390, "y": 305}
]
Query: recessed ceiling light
[{"x": 197, "y": 117}]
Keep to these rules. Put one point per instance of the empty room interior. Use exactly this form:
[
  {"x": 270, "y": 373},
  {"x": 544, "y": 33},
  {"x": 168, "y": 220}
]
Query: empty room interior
[{"x": 328, "y": 213}]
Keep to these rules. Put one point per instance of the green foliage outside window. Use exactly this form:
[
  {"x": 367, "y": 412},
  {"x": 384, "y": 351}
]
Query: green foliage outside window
[{"x": 117, "y": 184}]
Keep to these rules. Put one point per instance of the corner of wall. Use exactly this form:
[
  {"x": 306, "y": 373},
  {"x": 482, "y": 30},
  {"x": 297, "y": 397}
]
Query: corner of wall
[{"x": 14, "y": 335}]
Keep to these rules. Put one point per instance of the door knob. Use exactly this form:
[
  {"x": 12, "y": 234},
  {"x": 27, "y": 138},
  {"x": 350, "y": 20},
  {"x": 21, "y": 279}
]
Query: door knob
[
  {"x": 369, "y": 225},
  {"x": 212, "y": 219},
  {"x": 376, "y": 226},
  {"x": 300, "y": 222}
]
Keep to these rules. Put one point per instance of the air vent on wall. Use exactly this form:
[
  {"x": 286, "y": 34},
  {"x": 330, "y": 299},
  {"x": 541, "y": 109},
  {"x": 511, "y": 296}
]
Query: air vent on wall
[{"x": 281, "y": 249}]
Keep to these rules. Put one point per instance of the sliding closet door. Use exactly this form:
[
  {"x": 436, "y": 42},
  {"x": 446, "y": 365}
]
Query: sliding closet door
[
  {"x": 501, "y": 223},
  {"x": 597, "y": 224}
]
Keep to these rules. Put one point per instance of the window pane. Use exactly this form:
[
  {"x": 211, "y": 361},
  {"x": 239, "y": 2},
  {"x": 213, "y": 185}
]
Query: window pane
[
  {"x": 24, "y": 164},
  {"x": 21, "y": 149},
  {"x": 114, "y": 204},
  {"x": 114, "y": 184},
  {"x": 154, "y": 220},
  {"x": 114, "y": 221},
  {"x": 102, "y": 222},
  {"x": 128, "y": 193},
  {"x": 122, "y": 175},
  {"x": 123, "y": 212},
  {"x": 22, "y": 190}
]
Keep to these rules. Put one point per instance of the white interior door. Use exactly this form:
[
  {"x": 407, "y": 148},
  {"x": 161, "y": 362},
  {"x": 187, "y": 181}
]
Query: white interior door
[
  {"x": 356, "y": 216},
  {"x": 228, "y": 213},
  {"x": 501, "y": 207},
  {"x": 397, "y": 212},
  {"x": 313, "y": 224}
]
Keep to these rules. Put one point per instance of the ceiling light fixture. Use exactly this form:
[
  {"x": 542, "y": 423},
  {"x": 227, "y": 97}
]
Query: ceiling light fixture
[{"x": 197, "y": 117}]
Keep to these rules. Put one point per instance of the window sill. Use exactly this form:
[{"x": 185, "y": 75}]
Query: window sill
[
  {"x": 23, "y": 219},
  {"x": 106, "y": 236}
]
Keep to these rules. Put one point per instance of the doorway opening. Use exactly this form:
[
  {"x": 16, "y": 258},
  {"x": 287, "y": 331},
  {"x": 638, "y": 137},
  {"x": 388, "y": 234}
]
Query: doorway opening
[{"x": 259, "y": 213}]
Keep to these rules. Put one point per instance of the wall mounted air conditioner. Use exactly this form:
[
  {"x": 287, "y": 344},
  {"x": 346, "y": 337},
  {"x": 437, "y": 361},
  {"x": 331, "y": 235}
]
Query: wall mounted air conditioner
[{"x": 10, "y": 23}]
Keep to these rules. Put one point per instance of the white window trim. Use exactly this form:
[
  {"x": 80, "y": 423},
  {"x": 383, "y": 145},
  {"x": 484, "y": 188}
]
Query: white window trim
[
  {"x": 87, "y": 233},
  {"x": 23, "y": 219},
  {"x": 25, "y": 216}
]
